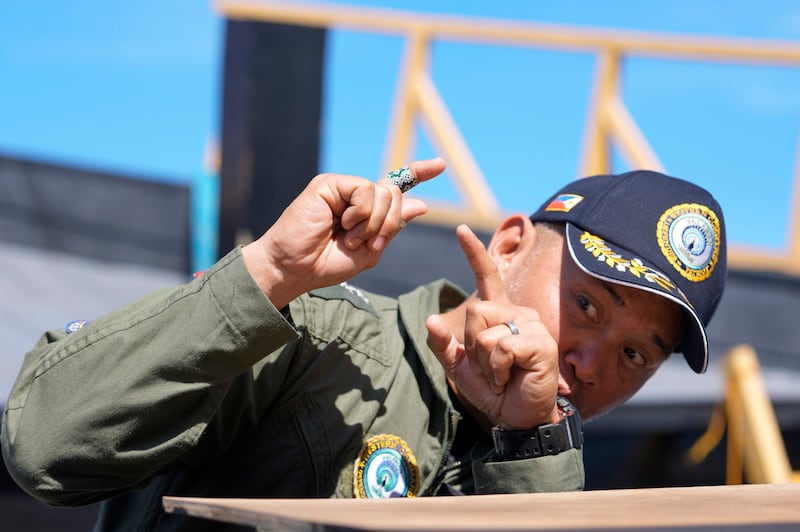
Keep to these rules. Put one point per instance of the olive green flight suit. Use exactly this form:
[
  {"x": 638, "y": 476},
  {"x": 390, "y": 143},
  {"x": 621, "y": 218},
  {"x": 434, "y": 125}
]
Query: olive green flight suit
[{"x": 208, "y": 390}]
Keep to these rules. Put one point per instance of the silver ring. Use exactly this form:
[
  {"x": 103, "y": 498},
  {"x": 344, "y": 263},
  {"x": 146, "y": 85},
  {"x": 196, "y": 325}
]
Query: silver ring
[
  {"x": 512, "y": 327},
  {"x": 403, "y": 178}
]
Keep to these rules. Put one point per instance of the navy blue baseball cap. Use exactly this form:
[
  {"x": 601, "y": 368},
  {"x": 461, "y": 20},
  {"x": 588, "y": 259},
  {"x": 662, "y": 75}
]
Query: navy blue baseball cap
[{"x": 650, "y": 231}]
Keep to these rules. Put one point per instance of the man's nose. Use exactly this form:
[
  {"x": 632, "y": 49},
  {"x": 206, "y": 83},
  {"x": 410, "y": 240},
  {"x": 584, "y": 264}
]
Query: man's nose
[{"x": 587, "y": 359}]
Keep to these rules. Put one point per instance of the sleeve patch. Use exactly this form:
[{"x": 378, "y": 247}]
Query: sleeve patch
[{"x": 75, "y": 325}]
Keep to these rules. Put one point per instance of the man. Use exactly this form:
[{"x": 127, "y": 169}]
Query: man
[{"x": 265, "y": 377}]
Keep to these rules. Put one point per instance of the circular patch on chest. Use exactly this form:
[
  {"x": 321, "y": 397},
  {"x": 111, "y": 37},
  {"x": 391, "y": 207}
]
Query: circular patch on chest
[{"x": 385, "y": 468}]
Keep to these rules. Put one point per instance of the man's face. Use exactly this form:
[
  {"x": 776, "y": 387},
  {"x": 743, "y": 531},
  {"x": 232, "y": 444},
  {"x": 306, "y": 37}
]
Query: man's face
[{"x": 611, "y": 338}]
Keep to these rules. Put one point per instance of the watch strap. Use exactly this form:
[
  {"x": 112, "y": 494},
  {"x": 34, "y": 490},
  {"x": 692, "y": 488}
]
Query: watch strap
[{"x": 544, "y": 440}]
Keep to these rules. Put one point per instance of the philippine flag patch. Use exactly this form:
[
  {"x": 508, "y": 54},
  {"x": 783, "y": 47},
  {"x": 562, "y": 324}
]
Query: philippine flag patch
[{"x": 564, "y": 202}]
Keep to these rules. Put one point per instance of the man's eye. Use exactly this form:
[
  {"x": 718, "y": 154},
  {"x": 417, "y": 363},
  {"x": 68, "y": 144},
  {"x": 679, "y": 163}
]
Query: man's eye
[
  {"x": 635, "y": 356},
  {"x": 587, "y": 307}
]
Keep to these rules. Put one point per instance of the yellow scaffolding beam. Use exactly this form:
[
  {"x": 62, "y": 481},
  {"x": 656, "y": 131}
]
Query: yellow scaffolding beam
[
  {"x": 608, "y": 124},
  {"x": 756, "y": 452}
]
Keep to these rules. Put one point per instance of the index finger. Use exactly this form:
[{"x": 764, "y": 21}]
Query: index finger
[
  {"x": 487, "y": 276},
  {"x": 415, "y": 173}
]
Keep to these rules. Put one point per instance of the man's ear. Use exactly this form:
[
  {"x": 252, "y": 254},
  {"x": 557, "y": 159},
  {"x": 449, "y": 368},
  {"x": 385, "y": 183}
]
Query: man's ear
[{"x": 512, "y": 238}]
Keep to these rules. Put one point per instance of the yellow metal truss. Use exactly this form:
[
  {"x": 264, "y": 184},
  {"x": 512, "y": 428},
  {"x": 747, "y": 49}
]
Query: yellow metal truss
[
  {"x": 608, "y": 124},
  {"x": 756, "y": 453}
]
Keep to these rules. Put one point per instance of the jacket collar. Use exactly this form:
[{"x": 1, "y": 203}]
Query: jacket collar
[{"x": 415, "y": 307}]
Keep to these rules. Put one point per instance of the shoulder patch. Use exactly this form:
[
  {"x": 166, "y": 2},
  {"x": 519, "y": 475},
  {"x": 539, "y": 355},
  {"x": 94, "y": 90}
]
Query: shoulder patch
[
  {"x": 348, "y": 293},
  {"x": 75, "y": 325}
]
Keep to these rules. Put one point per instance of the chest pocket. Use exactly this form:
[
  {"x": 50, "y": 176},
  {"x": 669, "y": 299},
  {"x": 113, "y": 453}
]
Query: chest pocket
[
  {"x": 287, "y": 454},
  {"x": 299, "y": 450}
]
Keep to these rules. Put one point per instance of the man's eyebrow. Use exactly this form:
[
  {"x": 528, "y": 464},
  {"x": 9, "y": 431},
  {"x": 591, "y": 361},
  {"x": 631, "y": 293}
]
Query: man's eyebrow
[
  {"x": 661, "y": 344},
  {"x": 656, "y": 339},
  {"x": 614, "y": 294}
]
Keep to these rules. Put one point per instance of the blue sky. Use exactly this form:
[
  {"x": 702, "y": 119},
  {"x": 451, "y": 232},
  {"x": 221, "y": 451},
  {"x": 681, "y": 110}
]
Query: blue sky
[{"x": 134, "y": 87}]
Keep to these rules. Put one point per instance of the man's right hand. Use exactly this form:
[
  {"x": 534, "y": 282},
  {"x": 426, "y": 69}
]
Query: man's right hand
[
  {"x": 336, "y": 228},
  {"x": 512, "y": 379}
]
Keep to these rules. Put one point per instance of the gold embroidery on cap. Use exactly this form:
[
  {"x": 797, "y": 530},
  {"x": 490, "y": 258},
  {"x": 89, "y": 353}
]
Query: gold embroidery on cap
[
  {"x": 688, "y": 235},
  {"x": 598, "y": 247}
]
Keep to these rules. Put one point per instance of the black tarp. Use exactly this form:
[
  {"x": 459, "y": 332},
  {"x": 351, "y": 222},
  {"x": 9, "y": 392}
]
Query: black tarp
[{"x": 93, "y": 213}]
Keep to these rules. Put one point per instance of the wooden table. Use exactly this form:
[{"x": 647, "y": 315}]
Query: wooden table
[{"x": 703, "y": 508}]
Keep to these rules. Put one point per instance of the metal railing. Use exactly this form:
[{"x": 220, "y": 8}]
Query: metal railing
[{"x": 609, "y": 122}]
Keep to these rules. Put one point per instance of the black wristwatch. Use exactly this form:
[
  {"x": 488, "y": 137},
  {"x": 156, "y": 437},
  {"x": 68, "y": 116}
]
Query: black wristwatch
[{"x": 544, "y": 440}]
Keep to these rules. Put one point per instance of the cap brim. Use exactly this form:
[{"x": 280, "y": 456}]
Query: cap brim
[{"x": 612, "y": 262}]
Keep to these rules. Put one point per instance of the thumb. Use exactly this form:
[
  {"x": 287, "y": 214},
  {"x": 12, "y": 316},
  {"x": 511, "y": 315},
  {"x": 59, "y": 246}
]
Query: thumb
[{"x": 444, "y": 344}]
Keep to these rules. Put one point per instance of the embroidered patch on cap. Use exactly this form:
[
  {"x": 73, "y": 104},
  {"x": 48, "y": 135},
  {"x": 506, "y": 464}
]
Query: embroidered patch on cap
[
  {"x": 564, "y": 202},
  {"x": 385, "y": 468},
  {"x": 688, "y": 235}
]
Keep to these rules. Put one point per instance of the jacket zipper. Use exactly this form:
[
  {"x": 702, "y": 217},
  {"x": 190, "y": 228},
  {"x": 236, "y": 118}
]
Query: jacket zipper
[{"x": 443, "y": 467}]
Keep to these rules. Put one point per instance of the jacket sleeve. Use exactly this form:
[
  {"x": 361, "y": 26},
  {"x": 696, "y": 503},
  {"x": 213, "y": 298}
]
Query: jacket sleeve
[
  {"x": 99, "y": 411},
  {"x": 561, "y": 472}
]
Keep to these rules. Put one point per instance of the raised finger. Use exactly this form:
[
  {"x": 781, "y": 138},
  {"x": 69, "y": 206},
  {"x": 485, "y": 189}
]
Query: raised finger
[
  {"x": 443, "y": 344},
  {"x": 487, "y": 277},
  {"x": 415, "y": 173},
  {"x": 451, "y": 356}
]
